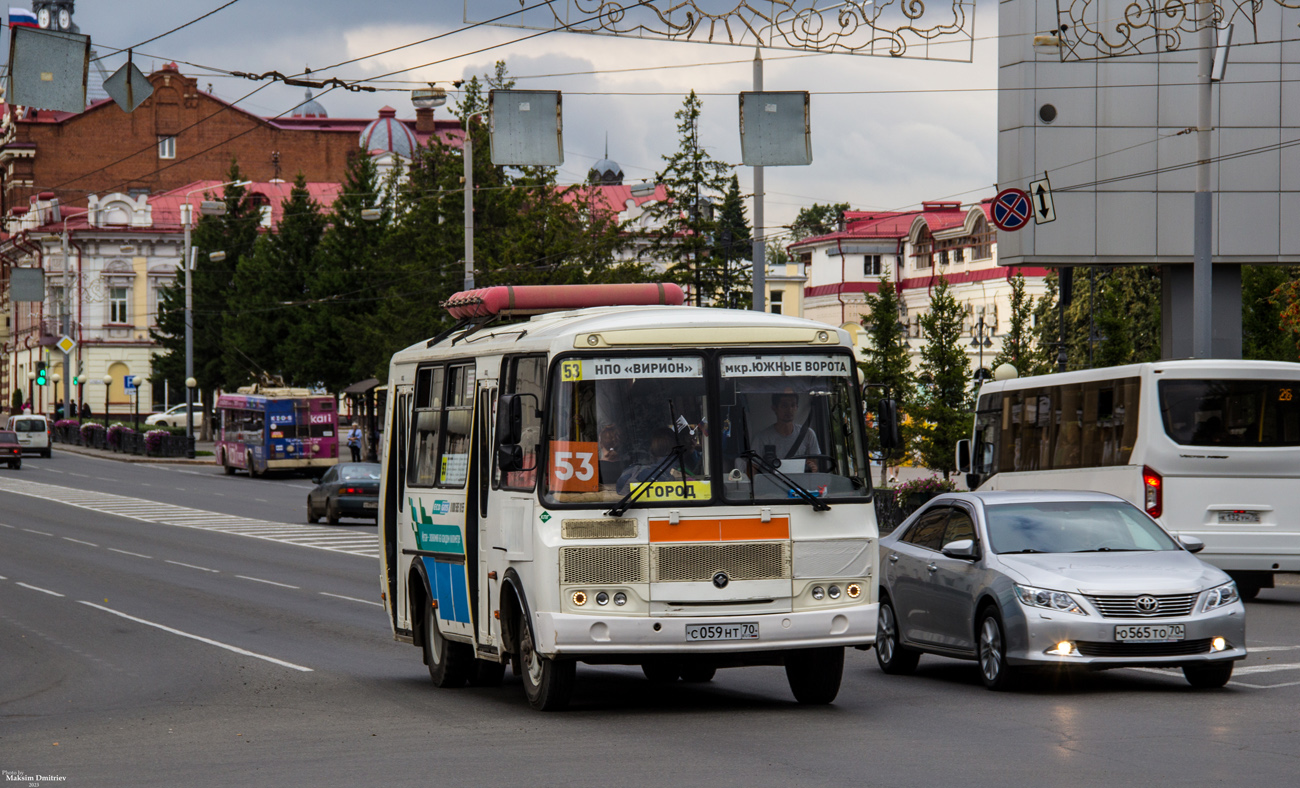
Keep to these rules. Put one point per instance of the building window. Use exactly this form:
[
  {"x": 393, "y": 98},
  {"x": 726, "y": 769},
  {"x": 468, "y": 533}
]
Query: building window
[
  {"x": 166, "y": 147},
  {"x": 871, "y": 265},
  {"x": 774, "y": 301},
  {"x": 117, "y": 298},
  {"x": 959, "y": 255}
]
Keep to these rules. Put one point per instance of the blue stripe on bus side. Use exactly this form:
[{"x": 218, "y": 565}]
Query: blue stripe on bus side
[{"x": 448, "y": 587}]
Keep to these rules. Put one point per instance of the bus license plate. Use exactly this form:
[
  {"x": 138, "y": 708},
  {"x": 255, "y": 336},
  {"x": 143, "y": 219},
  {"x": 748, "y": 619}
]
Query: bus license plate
[
  {"x": 1149, "y": 633},
  {"x": 743, "y": 630},
  {"x": 1239, "y": 517}
]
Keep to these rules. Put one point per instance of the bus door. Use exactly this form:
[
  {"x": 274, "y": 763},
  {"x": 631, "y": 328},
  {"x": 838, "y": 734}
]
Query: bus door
[
  {"x": 393, "y": 504},
  {"x": 478, "y": 514}
]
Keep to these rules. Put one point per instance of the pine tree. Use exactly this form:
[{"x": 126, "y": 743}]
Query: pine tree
[
  {"x": 943, "y": 398},
  {"x": 1017, "y": 342},
  {"x": 817, "y": 220},
  {"x": 733, "y": 251},
  {"x": 693, "y": 181},
  {"x": 1043, "y": 360},
  {"x": 887, "y": 369}
]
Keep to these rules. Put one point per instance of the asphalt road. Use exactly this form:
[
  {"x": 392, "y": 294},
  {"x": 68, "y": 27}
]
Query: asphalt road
[{"x": 139, "y": 653}]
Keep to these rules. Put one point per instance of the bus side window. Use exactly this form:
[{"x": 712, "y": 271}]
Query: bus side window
[
  {"x": 422, "y": 466},
  {"x": 527, "y": 375}
]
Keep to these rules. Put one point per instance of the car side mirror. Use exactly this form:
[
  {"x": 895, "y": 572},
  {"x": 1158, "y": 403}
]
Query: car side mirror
[
  {"x": 961, "y": 548},
  {"x": 1191, "y": 543},
  {"x": 510, "y": 457},
  {"x": 890, "y": 436},
  {"x": 316, "y": 480},
  {"x": 510, "y": 419},
  {"x": 963, "y": 455}
]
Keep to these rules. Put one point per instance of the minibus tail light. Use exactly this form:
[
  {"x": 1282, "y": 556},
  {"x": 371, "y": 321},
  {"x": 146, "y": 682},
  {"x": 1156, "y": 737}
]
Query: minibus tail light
[{"x": 1152, "y": 492}]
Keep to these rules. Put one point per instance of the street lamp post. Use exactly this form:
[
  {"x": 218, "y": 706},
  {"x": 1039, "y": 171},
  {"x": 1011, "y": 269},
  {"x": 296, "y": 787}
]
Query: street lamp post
[
  {"x": 108, "y": 382},
  {"x": 31, "y": 385},
  {"x": 135, "y": 420},
  {"x": 980, "y": 339},
  {"x": 190, "y": 383},
  {"x": 468, "y": 153}
]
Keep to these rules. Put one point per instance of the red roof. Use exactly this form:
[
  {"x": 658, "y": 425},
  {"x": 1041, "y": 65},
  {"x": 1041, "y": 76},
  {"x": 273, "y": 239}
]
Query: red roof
[
  {"x": 167, "y": 205},
  {"x": 939, "y": 215},
  {"x": 611, "y": 198}
]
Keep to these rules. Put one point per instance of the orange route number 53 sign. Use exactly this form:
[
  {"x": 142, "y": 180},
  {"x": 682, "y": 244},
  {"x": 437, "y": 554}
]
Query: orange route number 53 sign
[{"x": 573, "y": 466}]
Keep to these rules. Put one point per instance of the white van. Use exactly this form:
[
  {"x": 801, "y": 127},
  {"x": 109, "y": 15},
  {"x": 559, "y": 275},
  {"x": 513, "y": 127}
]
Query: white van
[{"x": 33, "y": 433}]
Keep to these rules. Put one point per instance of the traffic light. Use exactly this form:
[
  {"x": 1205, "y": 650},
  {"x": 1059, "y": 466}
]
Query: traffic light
[
  {"x": 40, "y": 373},
  {"x": 76, "y": 379}
]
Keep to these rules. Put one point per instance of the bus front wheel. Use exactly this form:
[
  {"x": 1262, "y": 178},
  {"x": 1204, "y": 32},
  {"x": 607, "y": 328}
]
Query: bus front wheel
[
  {"x": 548, "y": 683},
  {"x": 814, "y": 674},
  {"x": 225, "y": 464},
  {"x": 252, "y": 466},
  {"x": 449, "y": 663}
]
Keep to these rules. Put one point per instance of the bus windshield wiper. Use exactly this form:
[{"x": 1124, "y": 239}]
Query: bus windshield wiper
[
  {"x": 634, "y": 492},
  {"x": 754, "y": 457}
]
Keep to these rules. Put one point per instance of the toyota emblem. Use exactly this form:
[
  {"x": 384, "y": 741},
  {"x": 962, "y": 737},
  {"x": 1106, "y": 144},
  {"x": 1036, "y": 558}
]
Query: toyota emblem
[
  {"x": 1147, "y": 604},
  {"x": 720, "y": 580}
]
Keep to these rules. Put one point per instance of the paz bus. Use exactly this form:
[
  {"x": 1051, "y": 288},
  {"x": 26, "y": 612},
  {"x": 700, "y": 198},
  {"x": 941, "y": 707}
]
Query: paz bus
[
  {"x": 1209, "y": 448},
  {"x": 266, "y": 429},
  {"x": 615, "y": 478}
]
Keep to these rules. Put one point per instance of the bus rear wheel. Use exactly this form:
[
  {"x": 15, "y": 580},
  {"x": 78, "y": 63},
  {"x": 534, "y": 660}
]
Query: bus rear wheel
[
  {"x": 450, "y": 664},
  {"x": 548, "y": 683},
  {"x": 252, "y": 466},
  {"x": 814, "y": 674}
]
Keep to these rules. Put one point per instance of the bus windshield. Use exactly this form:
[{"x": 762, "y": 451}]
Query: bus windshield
[
  {"x": 1258, "y": 413},
  {"x": 614, "y": 421},
  {"x": 790, "y": 416}
]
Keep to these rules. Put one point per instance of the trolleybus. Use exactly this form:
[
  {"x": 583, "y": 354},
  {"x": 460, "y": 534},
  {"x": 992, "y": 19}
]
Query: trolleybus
[
  {"x": 1209, "y": 448},
  {"x": 261, "y": 429},
  {"x": 624, "y": 480}
]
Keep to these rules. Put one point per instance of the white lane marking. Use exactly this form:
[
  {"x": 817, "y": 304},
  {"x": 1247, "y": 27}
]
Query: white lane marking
[
  {"x": 317, "y": 537},
  {"x": 79, "y": 475},
  {"x": 42, "y": 590},
  {"x": 199, "y": 638},
  {"x": 192, "y": 566},
  {"x": 2, "y": 525},
  {"x": 128, "y": 552},
  {"x": 42, "y": 533},
  {"x": 1265, "y": 686},
  {"x": 352, "y": 599},
  {"x": 268, "y": 582},
  {"x": 79, "y": 541},
  {"x": 1251, "y": 669},
  {"x": 2, "y": 577},
  {"x": 1257, "y": 649},
  {"x": 103, "y": 479}
]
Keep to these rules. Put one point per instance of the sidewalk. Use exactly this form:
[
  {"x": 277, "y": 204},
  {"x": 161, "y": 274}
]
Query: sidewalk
[{"x": 120, "y": 457}]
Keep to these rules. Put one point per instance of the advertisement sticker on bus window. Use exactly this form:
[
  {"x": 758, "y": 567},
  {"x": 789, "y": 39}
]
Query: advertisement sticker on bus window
[
  {"x": 623, "y": 368},
  {"x": 573, "y": 466},
  {"x": 454, "y": 470},
  {"x": 786, "y": 366},
  {"x": 674, "y": 490}
]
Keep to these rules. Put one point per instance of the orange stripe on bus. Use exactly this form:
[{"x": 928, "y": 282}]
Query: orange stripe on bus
[{"x": 732, "y": 529}]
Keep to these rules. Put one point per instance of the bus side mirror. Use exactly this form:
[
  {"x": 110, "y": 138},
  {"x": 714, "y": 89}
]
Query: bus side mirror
[
  {"x": 510, "y": 420},
  {"x": 510, "y": 457},
  {"x": 963, "y": 455},
  {"x": 890, "y": 437}
]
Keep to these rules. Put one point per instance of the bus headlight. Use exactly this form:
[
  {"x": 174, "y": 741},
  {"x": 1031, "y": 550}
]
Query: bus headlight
[
  {"x": 620, "y": 599},
  {"x": 579, "y": 598},
  {"x": 833, "y": 592},
  {"x": 818, "y": 593},
  {"x": 602, "y": 599},
  {"x": 854, "y": 590}
]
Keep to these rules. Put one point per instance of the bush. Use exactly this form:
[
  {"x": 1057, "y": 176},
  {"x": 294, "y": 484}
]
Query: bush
[
  {"x": 115, "y": 434},
  {"x": 67, "y": 423},
  {"x": 89, "y": 432},
  {"x": 932, "y": 485},
  {"x": 153, "y": 440}
]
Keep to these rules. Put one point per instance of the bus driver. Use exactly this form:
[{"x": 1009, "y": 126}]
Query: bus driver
[{"x": 782, "y": 439}]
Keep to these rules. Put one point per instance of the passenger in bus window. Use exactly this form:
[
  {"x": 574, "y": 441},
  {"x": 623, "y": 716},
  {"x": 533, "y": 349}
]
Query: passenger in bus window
[
  {"x": 662, "y": 441},
  {"x": 612, "y": 459},
  {"x": 782, "y": 439}
]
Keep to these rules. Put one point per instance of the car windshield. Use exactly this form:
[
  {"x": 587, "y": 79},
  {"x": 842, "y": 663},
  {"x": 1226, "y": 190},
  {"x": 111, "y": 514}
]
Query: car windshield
[
  {"x": 614, "y": 420},
  {"x": 1231, "y": 412},
  {"x": 789, "y": 428},
  {"x": 1072, "y": 527},
  {"x": 360, "y": 472},
  {"x": 29, "y": 425}
]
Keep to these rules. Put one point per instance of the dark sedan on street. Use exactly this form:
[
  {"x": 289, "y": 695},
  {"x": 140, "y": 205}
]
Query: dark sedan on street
[
  {"x": 1055, "y": 580},
  {"x": 349, "y": 489},
  {"x": 10, "y": 450}
]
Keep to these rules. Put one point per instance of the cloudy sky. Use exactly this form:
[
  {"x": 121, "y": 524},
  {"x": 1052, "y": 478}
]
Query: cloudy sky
[{"x": 887, "y": 132}]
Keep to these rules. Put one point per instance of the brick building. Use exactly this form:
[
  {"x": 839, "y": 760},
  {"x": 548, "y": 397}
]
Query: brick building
[{"x": 179, "y": 135}]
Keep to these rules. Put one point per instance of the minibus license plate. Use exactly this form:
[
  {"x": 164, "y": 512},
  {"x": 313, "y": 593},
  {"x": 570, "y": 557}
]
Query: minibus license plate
[
  {"x": 744, "y": 630},
  {"x": 1239, "y": 517},
  {"x": 1149, "y": 633}
]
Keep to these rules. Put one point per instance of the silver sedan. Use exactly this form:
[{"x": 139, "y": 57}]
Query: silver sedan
[{"x": 1060, "y": 579}]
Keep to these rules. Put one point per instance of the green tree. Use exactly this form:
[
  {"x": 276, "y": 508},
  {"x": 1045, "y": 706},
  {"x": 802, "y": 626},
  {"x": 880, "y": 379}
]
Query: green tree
[
  {"x": 267, "y": 307},
  {"x": 817, "y": 219},
  {"x": 886, "y": 368},
  {"x": 1017, "y": 343},
  {"x": 1120, "y": 305},
  {"x": 733, "y": 250},
  {"x": 694, "y": 180},
  {"x": 943, "y": 398},
  {"x": 1263, "y": 335},
  {"x": 1043, "y": 359}
]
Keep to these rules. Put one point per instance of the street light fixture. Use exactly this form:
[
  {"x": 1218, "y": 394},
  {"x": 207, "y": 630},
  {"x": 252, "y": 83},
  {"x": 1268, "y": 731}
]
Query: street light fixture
[
  {"x": 980, "y": 339},
  {"x": 135, "y": 384},
  {"x": 108, "y": 381},
  {"x": 190, "y": 383}
]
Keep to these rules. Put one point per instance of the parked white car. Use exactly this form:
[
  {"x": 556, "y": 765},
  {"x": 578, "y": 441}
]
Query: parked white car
[
  {"x": 33, "y": 433},
  {"x": 175, "y": 417}
]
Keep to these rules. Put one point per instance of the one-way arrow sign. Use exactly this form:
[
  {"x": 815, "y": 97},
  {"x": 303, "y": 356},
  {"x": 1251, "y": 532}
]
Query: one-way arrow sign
[{"x": 1040, "y": 193}]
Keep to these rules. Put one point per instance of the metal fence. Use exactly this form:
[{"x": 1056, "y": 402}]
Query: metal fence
[{"x": 126, "y": 441}]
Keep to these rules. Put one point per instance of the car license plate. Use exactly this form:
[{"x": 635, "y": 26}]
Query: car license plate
[
  {"x": 743, "y": 630},
  {"x": 1149, "y": 633},
  {"x": 1239, "y": 517},
  {"x": 370, "y": 505}
]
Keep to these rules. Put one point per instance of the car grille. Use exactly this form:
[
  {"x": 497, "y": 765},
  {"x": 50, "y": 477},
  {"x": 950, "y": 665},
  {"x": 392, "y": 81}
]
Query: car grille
[
  {"x": 740, "y": 560},
  {"x": 613, "y": 565},
  {"x": 1167, "y": 606},
  {"x": 1182, "y": 648}
]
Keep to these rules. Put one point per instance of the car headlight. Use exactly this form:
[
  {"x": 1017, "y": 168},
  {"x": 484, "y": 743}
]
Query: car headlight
[
  {"x": 1052, "y": 600},
  {"x": 1225, "y": 594}
]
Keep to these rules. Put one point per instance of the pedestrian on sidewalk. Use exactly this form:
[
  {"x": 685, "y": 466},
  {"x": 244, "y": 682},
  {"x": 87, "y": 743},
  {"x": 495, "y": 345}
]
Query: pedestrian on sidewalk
[
  {"x": 354, "y": 442},
  {"x": 86, "y": 415}
]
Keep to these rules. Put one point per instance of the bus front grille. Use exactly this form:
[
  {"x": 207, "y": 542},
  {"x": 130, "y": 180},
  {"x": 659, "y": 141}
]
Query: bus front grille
[
  {"x": 739, "y": 560},
  {"x": 615, "y": 564}
]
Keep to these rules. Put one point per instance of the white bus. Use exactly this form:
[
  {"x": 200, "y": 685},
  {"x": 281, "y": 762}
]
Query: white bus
[
  {"x": 633, "y": 482},
  {"x": 1209, "y": 448}
]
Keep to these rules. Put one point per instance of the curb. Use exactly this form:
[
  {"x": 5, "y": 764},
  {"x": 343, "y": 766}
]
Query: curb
[{"x": 132, "y": 458}]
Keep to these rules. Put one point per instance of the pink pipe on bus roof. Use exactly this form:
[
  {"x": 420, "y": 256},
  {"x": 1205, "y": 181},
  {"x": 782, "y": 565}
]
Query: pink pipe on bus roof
[{"x": 536, "y": 299}]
